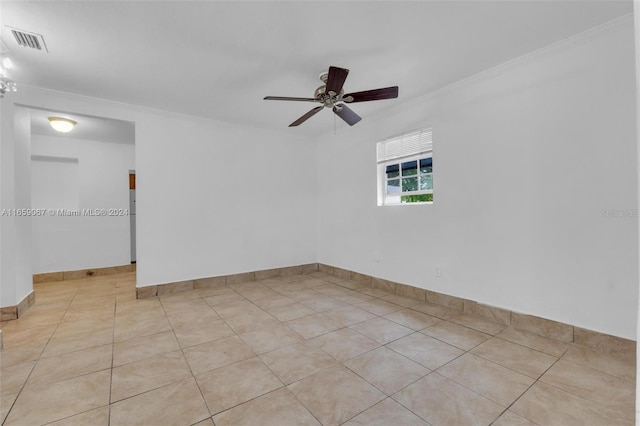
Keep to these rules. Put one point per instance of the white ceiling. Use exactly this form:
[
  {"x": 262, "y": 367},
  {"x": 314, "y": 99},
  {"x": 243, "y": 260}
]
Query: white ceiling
[{"x": 219, "y": 59}]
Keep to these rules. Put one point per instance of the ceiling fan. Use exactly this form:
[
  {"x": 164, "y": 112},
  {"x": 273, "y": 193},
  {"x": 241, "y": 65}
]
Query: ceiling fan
[{"x": 331, "y": 95}]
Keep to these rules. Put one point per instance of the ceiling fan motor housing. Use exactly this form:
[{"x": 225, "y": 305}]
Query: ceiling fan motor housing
[{"x": 326, "y": 98}]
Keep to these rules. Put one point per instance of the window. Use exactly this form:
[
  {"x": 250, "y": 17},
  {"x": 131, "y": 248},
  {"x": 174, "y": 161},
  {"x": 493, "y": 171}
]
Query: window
[{"x": 405, "y": 169}]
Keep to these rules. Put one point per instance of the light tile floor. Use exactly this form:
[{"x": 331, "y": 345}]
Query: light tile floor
[{"x": 307, "y": 349}]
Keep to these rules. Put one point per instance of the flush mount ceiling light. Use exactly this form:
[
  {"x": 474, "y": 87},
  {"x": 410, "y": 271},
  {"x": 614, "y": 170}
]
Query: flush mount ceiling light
[{"x": 61, "y": 124}]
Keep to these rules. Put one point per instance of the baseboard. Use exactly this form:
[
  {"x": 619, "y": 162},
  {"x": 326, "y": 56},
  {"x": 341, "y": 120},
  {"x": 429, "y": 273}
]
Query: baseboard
[
  {"x": 540, "y": 326},
  {"x": 82, "y": 273},
  {"x": 223, "y": 280},
  {"x": 8, "y": 313}
]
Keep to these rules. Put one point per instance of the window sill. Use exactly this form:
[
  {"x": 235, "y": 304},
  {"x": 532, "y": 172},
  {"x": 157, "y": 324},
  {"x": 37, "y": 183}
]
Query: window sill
[{"x": 407, "y": 204}]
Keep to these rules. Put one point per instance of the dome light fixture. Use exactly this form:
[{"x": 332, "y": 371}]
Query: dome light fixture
[{"x": 63, "y": 125}]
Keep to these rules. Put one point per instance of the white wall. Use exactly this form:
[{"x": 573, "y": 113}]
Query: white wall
[
  {"x": 212, "y": 198},
  {"x": 526, "y": 159},
  {"x": 15, "y": 192},
  {"x": 218, "y": 199},
  {"x": 98, "y": 179}
]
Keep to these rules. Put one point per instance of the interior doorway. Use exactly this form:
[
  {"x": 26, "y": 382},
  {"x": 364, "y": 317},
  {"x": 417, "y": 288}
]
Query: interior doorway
[{"x": 78, "y": 180}]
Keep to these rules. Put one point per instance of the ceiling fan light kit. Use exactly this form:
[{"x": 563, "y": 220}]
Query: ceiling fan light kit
[{"x": 331, "y": 95}]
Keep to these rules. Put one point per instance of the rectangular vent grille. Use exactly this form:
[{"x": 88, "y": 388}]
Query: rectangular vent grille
[{"x": 31, "y": 40}]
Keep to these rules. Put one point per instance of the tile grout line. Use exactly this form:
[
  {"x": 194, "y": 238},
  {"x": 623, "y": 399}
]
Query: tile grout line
[
  {"x": 113, "y": 353},
  {"x": 185, "y": 357},
  {"x": 261, "y": 360},
  {"x": 436, "y": 371},
  {"x": 407, "y": 408},
  {"x": 305, "y": 340},
  {"x": 342, "y": 363},
  {"x": 464, "y": 353},
  {"x": 40, "y": 358},
  {"x": 509, "y": 368},
  {"x": 36, "y": 361},
  {"x": 527, "y": 390},
  {"x": 539, "y": 379},
  {"x": 535, "y": 380}
]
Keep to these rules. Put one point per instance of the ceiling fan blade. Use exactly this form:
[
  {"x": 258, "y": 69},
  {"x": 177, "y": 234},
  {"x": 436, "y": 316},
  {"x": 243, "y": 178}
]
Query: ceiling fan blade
[
  {"x": 346, "y": 114},
  {"x": 305, "y": 117},
  {"x": 287, "y": 98},
  {"x": 336, "y": 79},
  {"x": 372, "y": 95}
]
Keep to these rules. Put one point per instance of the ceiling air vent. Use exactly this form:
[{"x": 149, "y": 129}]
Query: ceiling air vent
[{"x": 27, "y": 39}]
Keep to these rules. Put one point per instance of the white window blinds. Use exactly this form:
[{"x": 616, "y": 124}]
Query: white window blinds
[{"x": 406, "y": 145}]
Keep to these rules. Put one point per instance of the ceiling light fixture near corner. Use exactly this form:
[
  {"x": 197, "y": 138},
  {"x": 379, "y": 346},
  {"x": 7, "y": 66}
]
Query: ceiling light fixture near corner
[
  {"x": 63, "y": 125},
  {"x": 6, "y": 62}
]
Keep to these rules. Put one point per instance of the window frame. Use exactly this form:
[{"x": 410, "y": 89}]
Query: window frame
[{"x": 382, "y": 181}]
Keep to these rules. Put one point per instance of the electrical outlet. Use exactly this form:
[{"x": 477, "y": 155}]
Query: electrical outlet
[{"x": 438, "y": 271}]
